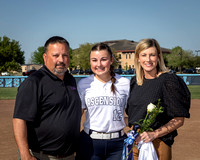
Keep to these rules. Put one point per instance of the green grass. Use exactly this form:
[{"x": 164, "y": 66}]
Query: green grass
[
  {"x": 10, "y": 93},
  {"x": 195, "y": 91}
]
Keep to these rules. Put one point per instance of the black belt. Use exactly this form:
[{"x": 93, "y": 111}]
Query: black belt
[{"x": 51, "y": 154}]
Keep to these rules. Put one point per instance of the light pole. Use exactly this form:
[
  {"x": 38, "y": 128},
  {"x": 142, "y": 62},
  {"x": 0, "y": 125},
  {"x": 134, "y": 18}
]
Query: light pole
[{"x": 197, "y": 52}]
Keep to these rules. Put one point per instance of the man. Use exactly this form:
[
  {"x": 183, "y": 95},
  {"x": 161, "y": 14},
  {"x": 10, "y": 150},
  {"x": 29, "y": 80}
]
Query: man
[{"x": 47, "y": 113}]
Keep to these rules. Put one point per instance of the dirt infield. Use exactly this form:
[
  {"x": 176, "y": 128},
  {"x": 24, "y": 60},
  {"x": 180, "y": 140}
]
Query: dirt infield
[{"x": 186, "y": 146}]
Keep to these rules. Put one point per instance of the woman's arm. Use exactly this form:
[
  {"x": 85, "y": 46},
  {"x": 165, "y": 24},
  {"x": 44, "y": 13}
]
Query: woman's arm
[{"x": 172, "y": 125}]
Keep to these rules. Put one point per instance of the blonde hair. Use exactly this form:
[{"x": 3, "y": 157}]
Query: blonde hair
[{"x": 142, "y": 45}]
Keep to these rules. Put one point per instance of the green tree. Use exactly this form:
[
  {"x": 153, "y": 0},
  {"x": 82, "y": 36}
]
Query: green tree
[
  {"x": 174, "y": 59},
  {"x": 189, "y": 59},
  {"x": 70, "y": 56},
  {"x": 80, "y": 56},
  {"x": 197, "y": 61},
  {"x": 180, "y": 58},
  {"x": 37, "y": 56},
  {"x": 11, "y": 55}
]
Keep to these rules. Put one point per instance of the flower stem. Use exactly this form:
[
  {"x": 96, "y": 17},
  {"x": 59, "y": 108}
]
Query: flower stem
[{"x": 143, "y": 124}]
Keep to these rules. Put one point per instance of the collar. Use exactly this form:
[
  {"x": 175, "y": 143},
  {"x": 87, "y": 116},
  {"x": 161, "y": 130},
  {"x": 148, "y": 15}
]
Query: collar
[{"x": 53, "y": 76}]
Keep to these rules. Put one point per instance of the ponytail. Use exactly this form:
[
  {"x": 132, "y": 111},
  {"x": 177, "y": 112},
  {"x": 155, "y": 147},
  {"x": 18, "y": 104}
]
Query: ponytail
[{"x": 113, "y": 79}]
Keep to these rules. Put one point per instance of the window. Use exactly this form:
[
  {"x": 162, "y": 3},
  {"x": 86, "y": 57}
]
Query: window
[
  {"x": 120, "y": 57},
  {"x": 129, "y": 56}
]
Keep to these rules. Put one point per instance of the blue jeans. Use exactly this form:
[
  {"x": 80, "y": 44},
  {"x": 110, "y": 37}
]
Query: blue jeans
[{"x": 97, "y": 149}]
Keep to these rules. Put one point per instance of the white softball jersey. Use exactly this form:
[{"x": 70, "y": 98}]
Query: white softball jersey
[{"x": 104, "y": 110}]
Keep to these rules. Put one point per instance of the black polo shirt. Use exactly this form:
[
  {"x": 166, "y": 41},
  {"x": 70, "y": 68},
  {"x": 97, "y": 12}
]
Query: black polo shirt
[{"x": 52, "y": 109}]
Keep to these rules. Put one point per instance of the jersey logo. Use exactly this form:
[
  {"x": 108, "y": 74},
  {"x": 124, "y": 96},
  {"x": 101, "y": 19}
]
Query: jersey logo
[
  {"x": 117, "y": 115},
  {"x": 105, "y": 101}
]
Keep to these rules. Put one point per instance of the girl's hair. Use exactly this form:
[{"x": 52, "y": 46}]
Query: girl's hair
[
  {"x": 142, "y": 45},
  {"x": 103, "y": 46}
]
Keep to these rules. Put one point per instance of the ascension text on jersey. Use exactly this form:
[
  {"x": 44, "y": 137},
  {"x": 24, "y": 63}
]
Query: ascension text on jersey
[{"x": 106, "y": 100}]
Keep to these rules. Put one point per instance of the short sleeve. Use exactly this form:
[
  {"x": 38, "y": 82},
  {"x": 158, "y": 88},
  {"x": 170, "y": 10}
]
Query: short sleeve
[
  {"x": 26, "y": 104},
  {"x": 176, "y": 96},
  {"x": 81, "y": 92},
  {"x": 132, "y": 83},
  {"x": 123, "y": 85}
]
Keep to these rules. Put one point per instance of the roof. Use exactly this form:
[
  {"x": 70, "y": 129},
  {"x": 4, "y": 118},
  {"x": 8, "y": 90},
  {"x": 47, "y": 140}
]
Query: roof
[
  {"x": 122, "y": 45},
  {"x": 127, "y": 46}
]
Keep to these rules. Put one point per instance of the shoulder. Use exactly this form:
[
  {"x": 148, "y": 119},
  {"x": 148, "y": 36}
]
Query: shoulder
[
  {"x": 122, "y": 80},
  {"x": 38, "y": 75},
  {"x": 34, "y": 78},
  {"x": 174, "y": 83},
  {"x": 133, "y": 81},
  {"x": 176, "y": 95},
  {"x": 168, "y": 74},
  {"x": 70, "y": 79},
  {"x": 122, "y": 84},
  {"x": 171, "y": 78},
  {"x": 86, "y": 81}
]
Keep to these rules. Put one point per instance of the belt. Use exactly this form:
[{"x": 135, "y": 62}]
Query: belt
[
  {"x": 102, "y": 135},
  {"x": 52, "y": 154}
]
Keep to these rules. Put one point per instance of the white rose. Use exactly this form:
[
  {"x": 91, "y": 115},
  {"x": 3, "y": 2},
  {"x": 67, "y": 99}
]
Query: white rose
[{"x": 150, "y": 107}]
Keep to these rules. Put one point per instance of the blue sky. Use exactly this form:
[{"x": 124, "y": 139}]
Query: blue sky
[{"x": 31, "y": 22}]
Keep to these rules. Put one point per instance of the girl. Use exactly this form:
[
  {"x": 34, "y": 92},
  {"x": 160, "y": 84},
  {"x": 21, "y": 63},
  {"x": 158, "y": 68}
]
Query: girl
[{"x": 104, "y": 95}]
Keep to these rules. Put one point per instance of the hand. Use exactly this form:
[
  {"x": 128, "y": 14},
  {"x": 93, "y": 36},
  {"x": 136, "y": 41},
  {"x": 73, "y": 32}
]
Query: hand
[
  {"x": 33, "y": 158},
  {"x": 146, "y": 137},
  {"x": 28, "y": 157}
]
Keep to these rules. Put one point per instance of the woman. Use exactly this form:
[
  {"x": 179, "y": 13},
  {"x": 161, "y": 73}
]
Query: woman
[
  {"x": 104, "y": 95},
  {"x": 153, "y": 82}
]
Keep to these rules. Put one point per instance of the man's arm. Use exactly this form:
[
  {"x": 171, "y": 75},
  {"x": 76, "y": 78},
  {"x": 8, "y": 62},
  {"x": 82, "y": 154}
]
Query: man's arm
[{"x": 20, "y": 133}]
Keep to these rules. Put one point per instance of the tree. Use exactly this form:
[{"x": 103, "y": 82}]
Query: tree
[
  {"x": 11, "y": 55},
  {"x": 37, "y": 56},
  {"x": 180, "y": 58},
  {"x": 70, "y": 56},
  {"x": 81, "y": 56},
  {"x": 197, "y": 61}
]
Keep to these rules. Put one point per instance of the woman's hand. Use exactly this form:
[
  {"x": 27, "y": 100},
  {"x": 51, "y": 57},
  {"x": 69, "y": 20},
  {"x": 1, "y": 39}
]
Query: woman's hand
[
  {"x": 173, "y": 124},
  {"x": 146, "y": 137}
]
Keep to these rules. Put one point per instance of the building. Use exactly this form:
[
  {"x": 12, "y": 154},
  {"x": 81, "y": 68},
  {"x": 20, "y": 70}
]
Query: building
[
  {"x": 125, "y": 50},
  {"x": 26, "y": 67}
]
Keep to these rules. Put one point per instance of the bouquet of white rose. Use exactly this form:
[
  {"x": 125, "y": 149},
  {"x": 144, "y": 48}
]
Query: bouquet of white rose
[{"x": 142, "y": 125}]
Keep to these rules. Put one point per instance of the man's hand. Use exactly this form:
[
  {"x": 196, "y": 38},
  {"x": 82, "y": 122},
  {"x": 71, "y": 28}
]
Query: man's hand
[{"x": 28, "y": 157}]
